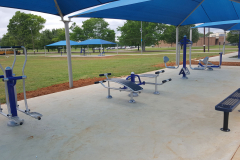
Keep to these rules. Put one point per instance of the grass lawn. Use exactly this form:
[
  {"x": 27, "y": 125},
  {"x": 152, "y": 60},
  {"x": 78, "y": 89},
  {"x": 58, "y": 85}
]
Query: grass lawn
[{"x": 44, "y": 71}]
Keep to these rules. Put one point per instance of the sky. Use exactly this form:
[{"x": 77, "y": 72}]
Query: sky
[{"x": 54, "y": 21}]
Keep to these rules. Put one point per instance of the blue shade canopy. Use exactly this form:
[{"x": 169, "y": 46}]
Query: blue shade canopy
[
  {"x": 174, "y": 12},
  {"x": 225, "y": 25},
  {"x": 94, "y": 41},
  {"x": 62, "y": 43},
  {"x": 48, "y": 6}
]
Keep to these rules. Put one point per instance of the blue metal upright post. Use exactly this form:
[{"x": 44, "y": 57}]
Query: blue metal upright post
[
  {"x": 184, "y": 54},
  {"x": 239, "y": 46},
  {"x": 11, "y": 92},
  {"x": 184, "y": 71}
]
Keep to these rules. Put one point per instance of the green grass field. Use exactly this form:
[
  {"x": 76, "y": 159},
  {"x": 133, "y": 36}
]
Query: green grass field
[{"x": 44, "y": 71}]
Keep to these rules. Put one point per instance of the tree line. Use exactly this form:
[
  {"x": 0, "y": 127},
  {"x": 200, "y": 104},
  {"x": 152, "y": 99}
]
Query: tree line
[{"x": 28, "y": 30}]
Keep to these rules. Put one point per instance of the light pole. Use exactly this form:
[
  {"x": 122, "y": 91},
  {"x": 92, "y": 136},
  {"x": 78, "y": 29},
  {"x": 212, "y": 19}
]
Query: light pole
[{"x": 141, "y": 37}]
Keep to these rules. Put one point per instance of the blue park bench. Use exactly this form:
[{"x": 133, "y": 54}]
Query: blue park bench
[{"x": 228, "y": 105}]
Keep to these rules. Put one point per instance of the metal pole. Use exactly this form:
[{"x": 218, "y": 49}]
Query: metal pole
[
  {"x": 204, "y": 40},
  {"x": 68, "y": 53},
  {"x": 190, "y": 34},
  {"x": 177, "y": 46},
  {"x": 208, "y": 37},
  {"x": 88, "y": 49},
  {"x": 141, "y": 37},
  {"x": 45, "y": 50},
  {"x": 117, "y": 48},
  {"x": 239, "y": 47},
  {"x": 224, "y": 42},
  {"x": 101, "y": 49}
]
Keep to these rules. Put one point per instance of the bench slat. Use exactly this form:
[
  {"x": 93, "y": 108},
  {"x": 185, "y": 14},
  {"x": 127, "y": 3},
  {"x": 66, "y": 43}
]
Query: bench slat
[{"x": 230, "y": 103}]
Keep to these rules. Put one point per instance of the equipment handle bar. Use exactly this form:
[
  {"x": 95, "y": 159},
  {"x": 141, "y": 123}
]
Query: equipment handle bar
[
  {"x": 99, "y": 82},
  {"x": 164, "y": 81},
  {"x": 158, "y": 72},
  {"x": 105, "y": 74},
  {"x": 9, "y": 47}
]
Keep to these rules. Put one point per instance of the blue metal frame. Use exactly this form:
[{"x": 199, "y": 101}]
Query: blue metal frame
[
  {"x": 214, "y": 66},
  {"x": 133, "y": 79},
  {"x": 184, "y": 42},
  {"x": 239, "y": 47},
  {"x": 11, "y": 91}
]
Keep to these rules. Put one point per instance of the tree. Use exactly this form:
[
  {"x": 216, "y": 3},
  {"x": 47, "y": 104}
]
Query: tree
[
  {"x": 170, "y": 33},
  {"x": 97, "y": 28},
  {"x": 131, "y": 34},
  {"x": 77, "y": 33},
  {"x": 232, "y": 37},
  {"x": 7, "y": 40},
  {"x": 59, "y": 35},
  {"x": 208, "y": 34},
  {"x": 23, "y": 27}
]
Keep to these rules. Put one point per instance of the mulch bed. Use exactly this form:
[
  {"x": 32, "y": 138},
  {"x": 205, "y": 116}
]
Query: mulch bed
[{"x": 84, "y": 82}]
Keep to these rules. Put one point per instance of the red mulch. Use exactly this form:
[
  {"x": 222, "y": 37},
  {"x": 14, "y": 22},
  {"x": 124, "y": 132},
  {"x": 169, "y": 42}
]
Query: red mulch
[{"x": 84, "y": 82}]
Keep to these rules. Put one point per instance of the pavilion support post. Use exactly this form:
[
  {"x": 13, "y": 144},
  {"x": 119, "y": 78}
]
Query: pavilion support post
[
  {"x": 177, "y": 46},
  {"x": 101, "y": 49},
  {"x": 190, "y": 34},
  {"x": 141, "y": 38},
  {"x": 239, "y": 46},
  {"x": 204, "y": 40},
  {"x": 224, "y": 42},
  {"x": 68, "y": 47},
  {"x": 45, "y": 50}
]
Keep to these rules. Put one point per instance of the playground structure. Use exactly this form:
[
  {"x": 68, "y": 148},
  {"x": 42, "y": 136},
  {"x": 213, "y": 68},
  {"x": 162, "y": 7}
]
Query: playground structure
[
  {"x": 11, "y": 95},
  {"x": 128, "y": 86},
  {"x": 139, "y": 82}
]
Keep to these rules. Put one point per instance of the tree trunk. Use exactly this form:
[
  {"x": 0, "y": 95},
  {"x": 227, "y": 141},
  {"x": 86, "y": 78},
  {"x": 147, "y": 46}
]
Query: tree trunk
[
  {"x": 32, "y": 41},
  {"x": 143, "y": 46}
]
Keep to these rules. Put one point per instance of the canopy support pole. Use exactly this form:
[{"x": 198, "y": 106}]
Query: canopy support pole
[
  {"x": 224, "y": 42},
  {"x": 190, "y": 34},
  {"x": 117, "y": 48},
  {"x": 177, "y": 46},
  {"x": 101, "y": 49},
  {"x": 45, "y": 50},
  {"x": 88, "y": 49},
  {"x": 68, "y": 47},
  {"x": 141, "y": 38},
  {"x": 239, "y": 46}
]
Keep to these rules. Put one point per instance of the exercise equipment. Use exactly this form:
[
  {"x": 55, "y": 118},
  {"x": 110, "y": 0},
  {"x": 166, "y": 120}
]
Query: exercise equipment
[
  {"x": 206, "y": 65},
  {"x": 200, "y": 66},
  {"x": 127, "y": 86},
  {"x": 166, "y": 59},
  {"x": 209, "y": 65},
  {"x": 11, "y": 95},
  {"x": 184, "y": 71},
  {"x": 133, "y": 76}
]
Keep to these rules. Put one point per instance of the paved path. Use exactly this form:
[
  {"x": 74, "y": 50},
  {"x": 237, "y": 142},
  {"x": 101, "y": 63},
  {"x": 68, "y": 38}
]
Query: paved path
[{"x": 226, "y": 58}]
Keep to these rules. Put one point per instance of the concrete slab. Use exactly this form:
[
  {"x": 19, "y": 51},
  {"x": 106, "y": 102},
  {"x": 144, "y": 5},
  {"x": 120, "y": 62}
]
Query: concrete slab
[
  {"x": 180, "y": 123},
  {"x": 226, "y": 58}
]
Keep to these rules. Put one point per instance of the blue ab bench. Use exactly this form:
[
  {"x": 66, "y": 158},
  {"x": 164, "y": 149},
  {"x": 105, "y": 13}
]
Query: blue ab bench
[{"x": 228, "y": 105}]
